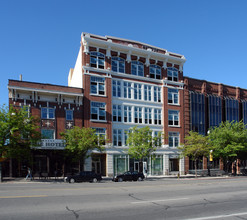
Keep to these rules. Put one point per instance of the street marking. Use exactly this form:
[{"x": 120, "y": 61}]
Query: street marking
[
  {"x": 219, "y": 216},
  {"x": 163, "y": 200},
  {"x": 11, "y": 197}
]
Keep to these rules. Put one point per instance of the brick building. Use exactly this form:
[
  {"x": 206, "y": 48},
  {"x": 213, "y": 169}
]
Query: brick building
[{"x": 117, "y": 84}]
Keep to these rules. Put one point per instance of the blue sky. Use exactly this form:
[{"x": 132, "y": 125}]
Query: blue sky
[{"x": 40, "y": 39}]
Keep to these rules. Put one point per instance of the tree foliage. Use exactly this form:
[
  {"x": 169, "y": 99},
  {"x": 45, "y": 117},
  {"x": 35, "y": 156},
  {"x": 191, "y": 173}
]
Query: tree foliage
[
  {"x": 229, "y": 141},
  {"x": 141, "y": 142},
  {"x": 195, "y": 147},
  {"x": 81, "y": 141},
  {"x": 18, "y": 132}
]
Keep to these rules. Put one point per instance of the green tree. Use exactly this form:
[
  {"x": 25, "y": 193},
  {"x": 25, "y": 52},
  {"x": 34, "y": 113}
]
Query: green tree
[
  {"x": 81, "y": 141},
  {"x": 18, "y": 133},
  {"x": 141, "y": 142},
  {"x": 195, "y": 146},
  {"x": 229, "y": 142}
]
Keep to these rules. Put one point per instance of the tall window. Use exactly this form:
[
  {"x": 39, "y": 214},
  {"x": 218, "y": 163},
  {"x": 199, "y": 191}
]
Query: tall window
[
  {"x": 116, "y": 113},
  {"x": 155, "y": 72},
  {"x": 214, "y": 110},
  {"x": 117, "y": 137},
  {"x": 197, "y": 112},
  {"x": 232, "y": 109},
  {"x": 128, "y": 114},
  {"x": 69, "y": 114},
  {"x": 47, "y": 113},
  {"x": 127, "y": 90},
  {"x": 97, "y": 60},
  {"x": 118, "y": 64},
  {"x": 173, "y": 139},
  {"x": 97, "y": 85},
  {"x": 157, "y": 94},
  {"x": 116, "y": 88},
  {"x": 172, "y": 74},
  {"x": 147, "y": 93},
  {"x": 173, "y": 117},
  {"x": 173, "y": 96},
  {"x": 98, "y": 111},
  {"x": 148, "y": 116},
  {"x": 157, "y": 116},
  {"x": 47, "y": 134},
  {"x": 244, "y": 108},
  {"x": 137, "y": 91},
  {"x": 137, "y": 68},
  {"x": 138, "y": 115},
  {"x": 100, "y": 132}
]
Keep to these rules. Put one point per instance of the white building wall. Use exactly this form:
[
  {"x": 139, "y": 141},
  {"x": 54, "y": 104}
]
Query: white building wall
[
  {"x": 109, "y": 161},
  {"x": 76, "y": 79},
  {"x": 166, "y": 164},
  {"x": 181, "y": 166}
]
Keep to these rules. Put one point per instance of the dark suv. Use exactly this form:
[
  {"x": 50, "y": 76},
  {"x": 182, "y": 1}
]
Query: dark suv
[
  {"x": 84, "y": 176},
  {"x": 129, "y": 176}
]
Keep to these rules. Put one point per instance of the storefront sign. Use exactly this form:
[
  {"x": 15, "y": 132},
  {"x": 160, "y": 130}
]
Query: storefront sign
[{"x": 52, "y": 144}]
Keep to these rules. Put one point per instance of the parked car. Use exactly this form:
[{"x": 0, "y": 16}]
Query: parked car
[
  {"x": 129, "y": 176},
  {"x": 85, "y": 176}
]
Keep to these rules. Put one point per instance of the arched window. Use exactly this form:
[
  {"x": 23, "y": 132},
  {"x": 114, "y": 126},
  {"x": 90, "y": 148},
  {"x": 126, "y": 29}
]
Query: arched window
[
  {"x": 97, "y": 60},
  {"x": 155, "y": 72},
  {"x": 118, "y": 64},
  {"x": 137, "y": 68},
  {"x": 172, "y": 74}
]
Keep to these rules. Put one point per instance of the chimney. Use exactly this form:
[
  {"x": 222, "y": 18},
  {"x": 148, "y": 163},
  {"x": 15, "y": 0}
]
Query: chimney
[{"x": 20, "y": 77}]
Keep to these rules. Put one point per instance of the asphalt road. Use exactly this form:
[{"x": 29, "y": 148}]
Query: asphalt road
[{"x": 193, "y": 199}]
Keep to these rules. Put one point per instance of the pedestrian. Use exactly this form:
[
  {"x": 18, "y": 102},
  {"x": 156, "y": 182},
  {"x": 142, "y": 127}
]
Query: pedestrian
[{"x": 29, "y": 173}]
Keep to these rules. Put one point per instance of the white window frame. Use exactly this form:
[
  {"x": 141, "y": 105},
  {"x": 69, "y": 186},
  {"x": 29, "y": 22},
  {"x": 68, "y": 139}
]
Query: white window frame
[
  {"x": 127, "y": 90},
  {"x": 116, "y": 113},
  {"x": 116, "y": 88},
  {"x": 99, "y": 82},
  {"x": 117, "y": 137},
  {"x": 148, "y": 93},
  {"x": 96, "y": 59},
  {"x": 99, "y": 107},
  {"x": 98, "y": 132},
  {"x": 128, "y": 114},
  {"x": 174, "y": 138},
  {"x": 155, "y": 71},
  {"x": 137, "y": 91},
  {"x": 172, "y": 93},
  {"x": 137, "y": 68},
  {"x": 118, "y": 61},
  {"x": 173, "y": 118},
  {"x": 68, "y": 113},
  {"x": 45, "y": 113},
  {"x": 172, "y": 74},
  {"x": 138, "y": 115},
  {"x": 157, "y": 116},
  {"x": 148, "y": 116},
  {"x": 157, "y": 94}
]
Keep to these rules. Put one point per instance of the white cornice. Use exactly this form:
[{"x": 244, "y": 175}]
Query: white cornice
[
  {"x": 87, "y": 40},
  {"x": 44, "y": 91}
]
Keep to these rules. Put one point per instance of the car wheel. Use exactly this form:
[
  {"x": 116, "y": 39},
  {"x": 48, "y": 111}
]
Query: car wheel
[
  {"x": 120, "y": 179},
  {"x": 72, "y": 180},
  {"x": 95, "y": 180},
  {"x": 139, "y": 178}
]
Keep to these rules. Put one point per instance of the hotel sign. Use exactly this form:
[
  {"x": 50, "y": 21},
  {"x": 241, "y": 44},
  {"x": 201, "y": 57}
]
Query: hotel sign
[{"x": 52, "y": 144}]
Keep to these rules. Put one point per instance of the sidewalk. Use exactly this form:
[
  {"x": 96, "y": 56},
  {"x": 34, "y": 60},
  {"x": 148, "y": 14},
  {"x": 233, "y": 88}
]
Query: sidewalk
[{"x": 149, "y": 178}]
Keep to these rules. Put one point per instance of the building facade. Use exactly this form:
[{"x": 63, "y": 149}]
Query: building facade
[{"x": 117, "y": 84}]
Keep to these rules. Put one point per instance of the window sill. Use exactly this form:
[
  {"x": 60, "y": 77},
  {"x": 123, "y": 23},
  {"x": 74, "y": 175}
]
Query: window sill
[
  {"x": 173, "y": 104},
  {"x": 174, "y": 126},
  {"x": 98, "y": 95},
  {"x": 101, "y": 121}
]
